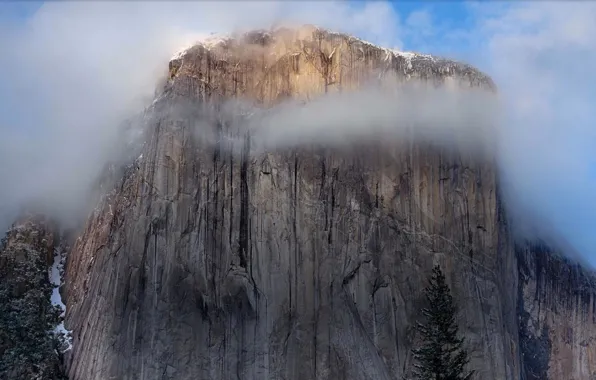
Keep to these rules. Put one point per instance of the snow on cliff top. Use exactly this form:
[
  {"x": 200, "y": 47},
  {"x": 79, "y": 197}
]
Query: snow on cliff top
[
  {"x": 389, "y": 53},
  {"x": 208, "y": 41},
  {"x": 211, "y": 40}
]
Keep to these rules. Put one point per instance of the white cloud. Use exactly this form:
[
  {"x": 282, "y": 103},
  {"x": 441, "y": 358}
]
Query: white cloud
[
  {"x": 75, "y": 69},
  {"x": 542, "y": 56},
  {"x": 384, "y": 113}
]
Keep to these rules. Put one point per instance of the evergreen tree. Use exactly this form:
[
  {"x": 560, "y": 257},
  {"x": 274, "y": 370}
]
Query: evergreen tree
[
  {"x": 29, "y": 347},
  {"x": 442, "y": 355}
]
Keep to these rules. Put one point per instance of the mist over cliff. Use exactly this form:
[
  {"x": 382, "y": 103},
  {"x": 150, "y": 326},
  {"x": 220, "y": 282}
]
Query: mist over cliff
[{"x": 71, "y": 82}]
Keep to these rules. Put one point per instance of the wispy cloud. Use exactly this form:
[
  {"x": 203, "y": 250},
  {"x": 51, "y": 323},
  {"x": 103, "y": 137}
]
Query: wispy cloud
[
  {"x": 74, "y": 70},
  {"x": 541, "y": 55}
]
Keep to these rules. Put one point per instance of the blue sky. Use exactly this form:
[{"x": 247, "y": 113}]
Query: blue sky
[
  {"x": 70, "y": 69},
  {"x": 450, "y": 14},
  {"x": 19, "y": 10}
]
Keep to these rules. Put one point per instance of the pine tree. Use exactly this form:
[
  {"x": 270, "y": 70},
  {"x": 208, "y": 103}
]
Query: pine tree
[{"x": 441, "y": 355}]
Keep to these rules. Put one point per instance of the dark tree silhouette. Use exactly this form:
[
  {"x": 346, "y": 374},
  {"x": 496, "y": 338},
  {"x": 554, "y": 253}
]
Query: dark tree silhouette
[{"x": 441, "y": 355}]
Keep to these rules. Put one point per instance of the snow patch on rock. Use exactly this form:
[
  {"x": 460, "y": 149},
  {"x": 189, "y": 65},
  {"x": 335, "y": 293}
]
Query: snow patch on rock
[
  {"x": 208, "y": 41},
  {"x": 394, "y": 53},
  {"x": 56, "y": 276}
]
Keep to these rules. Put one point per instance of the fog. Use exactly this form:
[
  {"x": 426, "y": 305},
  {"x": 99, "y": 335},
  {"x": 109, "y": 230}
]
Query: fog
[
  {"x": 541, "y": 55},
  {"x": 75, "y": 70}
]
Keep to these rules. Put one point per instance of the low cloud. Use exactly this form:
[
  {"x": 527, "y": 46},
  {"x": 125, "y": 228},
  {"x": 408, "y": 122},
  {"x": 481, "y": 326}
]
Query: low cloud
[
  {"x": 542, "y": 56},
  {"x": 445, "y": 116},
  {"x": 74, "y": 70}
]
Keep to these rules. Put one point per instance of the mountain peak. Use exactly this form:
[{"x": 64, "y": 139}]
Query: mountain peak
[{"x": 321, "y": 47}]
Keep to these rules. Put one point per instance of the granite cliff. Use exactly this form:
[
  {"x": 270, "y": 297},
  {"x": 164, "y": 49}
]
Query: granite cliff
[
  {"x": 210, "y": 260},
  {"x": 557, "y": 315}
]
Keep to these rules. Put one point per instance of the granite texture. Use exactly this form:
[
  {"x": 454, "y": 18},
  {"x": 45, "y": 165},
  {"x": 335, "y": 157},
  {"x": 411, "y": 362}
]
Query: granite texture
[{"x": 209, "y": 260}]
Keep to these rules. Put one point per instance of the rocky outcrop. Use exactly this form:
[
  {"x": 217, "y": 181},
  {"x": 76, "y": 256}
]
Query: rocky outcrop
[
  {"x": 28, "y": 347},
  {"x": 290, "y": 264},
  {"x": 212, "y": 261}
]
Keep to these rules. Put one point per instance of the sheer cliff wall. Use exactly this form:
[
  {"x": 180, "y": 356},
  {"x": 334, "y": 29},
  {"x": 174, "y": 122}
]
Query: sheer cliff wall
[{"x": 296, "y": 264}]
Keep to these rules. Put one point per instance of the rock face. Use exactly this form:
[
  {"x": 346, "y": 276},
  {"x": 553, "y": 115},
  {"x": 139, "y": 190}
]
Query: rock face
[
  {"x": 557, "y": 316},
  {"x": 306, "y": 263}
]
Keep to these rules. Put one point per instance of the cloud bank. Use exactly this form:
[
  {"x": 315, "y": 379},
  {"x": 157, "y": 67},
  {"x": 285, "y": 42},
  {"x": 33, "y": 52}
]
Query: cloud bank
[
  {"x": 391, "y": 112},
  {"x": 541, "y": 55},
  {"x": 74, "y": 70}
]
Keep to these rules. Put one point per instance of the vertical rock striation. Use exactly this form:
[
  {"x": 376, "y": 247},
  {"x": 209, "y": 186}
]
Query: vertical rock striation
[
  {"x": 557, "y": 316},
  {"x": 304, "y": 263}
]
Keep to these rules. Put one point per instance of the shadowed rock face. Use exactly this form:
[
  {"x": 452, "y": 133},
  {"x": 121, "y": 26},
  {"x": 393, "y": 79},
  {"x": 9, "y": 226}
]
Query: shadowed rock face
[
  {"x": 557, "y": 316},
  {"x": 297, "y": 264}
]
